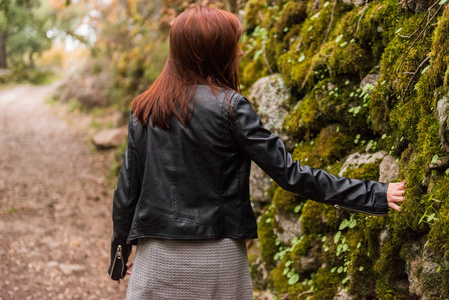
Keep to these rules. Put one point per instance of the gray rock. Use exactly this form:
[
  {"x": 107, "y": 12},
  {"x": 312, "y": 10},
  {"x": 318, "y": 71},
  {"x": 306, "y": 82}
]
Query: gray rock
[
  {"x": 421, "y": 269},
  {"x": 443, "y": 132},
  {"x": 342, "y": 294},
  {"x": 440, "y": 163},
  {"x": 110, "y": 138},
  {"x": 312, "y": 261},
  {"x": 270, "y": 95},
  {"x": 389, "y": 169},
  {"x": 370, "y": 79},
  {"x": 356, "y": 159},
  {"x": 442, "y": 110},
  {"x": 383, "y": 236},
  {"x": 288, "y": 227},
  {"x": 259, "y": 183},
  {"x": 354, "y": 2}
]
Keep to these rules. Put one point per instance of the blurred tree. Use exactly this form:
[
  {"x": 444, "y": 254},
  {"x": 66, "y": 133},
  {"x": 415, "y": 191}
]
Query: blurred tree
[{"x": 23, "y": 30}]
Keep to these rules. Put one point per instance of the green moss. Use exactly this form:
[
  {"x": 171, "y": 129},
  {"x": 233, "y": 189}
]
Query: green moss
[
  {"x": 267, "y": 237},
  {"x": 364, "y": 171},
  {"x": 325, "y": 80},
  {"x": 326, "y": 284},
  {"x": 292, "y": 13},
  {"x": 360, "y": 269},
  {"x": 253, "y": 11},
  {"x": 439, "y": 230},
  {"x": 333, "y": 144},
  {"x": 252, "y": 71},
  {"x": 308, "y": 247},
  {"x": 317, "y": 217},
  {"x": 350, "y": 59},
  {"x": 280, "y": 281},
  {"x": 387, "y": 275},
  {"x": 285, "y": 201}
]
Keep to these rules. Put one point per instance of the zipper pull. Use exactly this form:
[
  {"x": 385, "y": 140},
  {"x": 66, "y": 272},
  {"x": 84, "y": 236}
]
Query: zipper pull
[
  {"x": 118, "y": 256},
  {"x": 119, "y": 252}
]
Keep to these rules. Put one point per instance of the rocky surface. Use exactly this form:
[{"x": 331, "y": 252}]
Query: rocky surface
[
  {"x": 356, "y": 159},
  {"x": 110, "y": 138},
  {"x": 55, "y": 204},
  {"x": 269, "y": 96},
  {"x": 388, "y": 169},
  {"x": 288, "y": 226}
]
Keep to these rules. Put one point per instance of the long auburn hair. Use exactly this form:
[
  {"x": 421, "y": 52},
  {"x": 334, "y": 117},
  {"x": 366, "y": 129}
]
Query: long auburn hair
[{"x": 202, "y": 50}]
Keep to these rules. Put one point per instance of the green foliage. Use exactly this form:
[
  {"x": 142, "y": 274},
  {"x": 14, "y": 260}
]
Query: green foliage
[
  {"x": 267, "y": 238},
  {"x": 23, "y": 35}
]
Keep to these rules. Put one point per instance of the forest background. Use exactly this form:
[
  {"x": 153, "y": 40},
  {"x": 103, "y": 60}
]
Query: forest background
[{"x": 359, "y": 88}]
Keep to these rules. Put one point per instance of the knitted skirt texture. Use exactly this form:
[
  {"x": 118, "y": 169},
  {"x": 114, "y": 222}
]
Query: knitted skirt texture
[{"x": 190, "y": 269}]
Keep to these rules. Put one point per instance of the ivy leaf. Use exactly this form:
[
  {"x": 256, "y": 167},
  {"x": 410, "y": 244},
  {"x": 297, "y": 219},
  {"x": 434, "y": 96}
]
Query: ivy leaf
[
  {"x": 434, "y": 158},
  {"x": 340, "y": 269},
  {"x": 424, "y": 70},
  {"x": 431, "y": 217},
  {"x": 398, "y": 30},
  {"x": 361, "y": 269},
  {"x": 337, "y": 237},
  {"x": 324, "y": 239},
  {"x": 343, "y": 224},
  {"x": 442, "y": 2},
  {"x": 358, "y": 245},
  {"x": 294, "y": 279},
  {"x": 352, "y": 224},
  {"x": 339, "y": 38},
  {"x": 301, "y": 58}
]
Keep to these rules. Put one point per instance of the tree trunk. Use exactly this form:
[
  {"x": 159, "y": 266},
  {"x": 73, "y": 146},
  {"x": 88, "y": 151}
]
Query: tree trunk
[
  {"x": 31, "y": 59},
  {"x": 3, "y": 38}
]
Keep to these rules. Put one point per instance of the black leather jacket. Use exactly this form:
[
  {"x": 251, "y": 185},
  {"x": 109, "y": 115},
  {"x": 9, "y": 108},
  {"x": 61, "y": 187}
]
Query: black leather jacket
[{"x": 193, "y": 183}]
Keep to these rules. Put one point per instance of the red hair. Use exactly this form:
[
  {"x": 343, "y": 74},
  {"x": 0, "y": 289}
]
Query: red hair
[{"x": 203, "y": 50}]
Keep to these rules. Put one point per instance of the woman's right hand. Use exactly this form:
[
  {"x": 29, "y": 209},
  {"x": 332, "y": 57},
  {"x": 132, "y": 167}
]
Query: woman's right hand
[
  {"x": 128, "y": 272},
  {"x": 395, "y": 194}
]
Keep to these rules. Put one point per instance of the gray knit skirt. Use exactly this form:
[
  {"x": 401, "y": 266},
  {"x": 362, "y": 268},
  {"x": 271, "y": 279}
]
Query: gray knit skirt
[{"x": 190, "y": 269}]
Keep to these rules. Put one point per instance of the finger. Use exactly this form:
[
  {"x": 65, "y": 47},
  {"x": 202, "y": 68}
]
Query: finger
[
  {"x": 130, "y": 265},
  {"x": 394, "y": 206},
  {"x": 396, "y": 199},
  {"x": 128, "y": 272},
  {"x": 396, "y": 194},
  {"x": 118, "y": 282}
]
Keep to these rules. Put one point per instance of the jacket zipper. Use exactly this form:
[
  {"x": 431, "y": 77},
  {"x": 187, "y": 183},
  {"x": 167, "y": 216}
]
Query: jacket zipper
[
  {"x": 358, "y": 210},
  {"x": 118, "y": 256}
]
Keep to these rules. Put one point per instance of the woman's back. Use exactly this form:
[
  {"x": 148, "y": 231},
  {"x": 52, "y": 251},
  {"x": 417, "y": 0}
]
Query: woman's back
[{"x": 193, "y": 179}]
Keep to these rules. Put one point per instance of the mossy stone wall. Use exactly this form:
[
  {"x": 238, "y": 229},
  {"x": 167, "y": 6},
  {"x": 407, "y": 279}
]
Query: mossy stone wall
[{"x": 363, "y": 77}]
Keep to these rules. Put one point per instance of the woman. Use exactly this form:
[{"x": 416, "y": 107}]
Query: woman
[{"x": 183, "y": 189}]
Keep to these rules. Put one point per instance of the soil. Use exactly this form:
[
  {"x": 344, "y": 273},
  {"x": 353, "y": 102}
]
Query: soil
[{"x": 55, "y": 201}]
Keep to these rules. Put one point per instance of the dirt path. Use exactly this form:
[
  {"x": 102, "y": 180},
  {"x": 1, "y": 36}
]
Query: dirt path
[{"x": 55, "y": 205}]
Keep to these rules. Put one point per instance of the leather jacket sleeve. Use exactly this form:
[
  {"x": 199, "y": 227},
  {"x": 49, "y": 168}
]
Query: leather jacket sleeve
[
  {"x": 125, "y": 198},
  {"x": 268, "y": 151}
]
